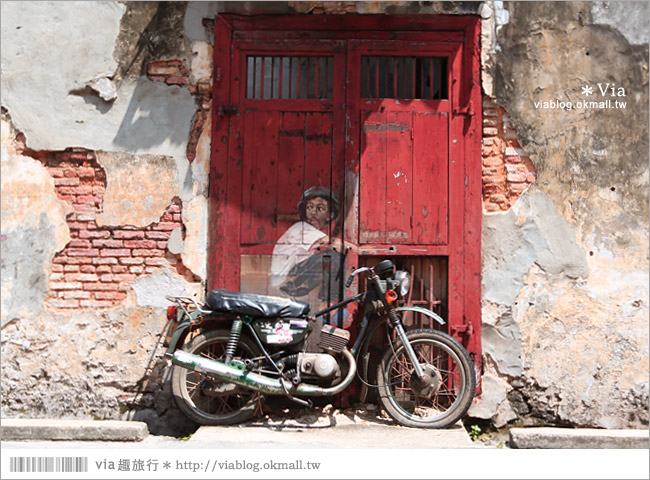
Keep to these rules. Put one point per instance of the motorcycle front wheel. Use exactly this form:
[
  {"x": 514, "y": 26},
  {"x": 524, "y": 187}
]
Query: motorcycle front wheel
[
  {"x": 442, "y": 397},
  {"x": 208, "y": 401}
]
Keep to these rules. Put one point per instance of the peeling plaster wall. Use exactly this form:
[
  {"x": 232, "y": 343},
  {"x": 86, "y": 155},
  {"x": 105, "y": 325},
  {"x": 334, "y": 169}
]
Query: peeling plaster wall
[
  {"x": 33, "y": 230},
  {"x": 565, "y": 270},
  {"x": 89, "y": 96}
]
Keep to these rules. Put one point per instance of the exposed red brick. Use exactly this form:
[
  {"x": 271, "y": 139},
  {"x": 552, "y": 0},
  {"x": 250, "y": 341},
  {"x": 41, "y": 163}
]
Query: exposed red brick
[
  {"x": 83, "y": 207},
  {"x": 70, "y": 303},
  {"x": 139, "y": 244},
  {"x": 82, "y": 252},
  {"x": 79, "y": 244},
  {"x": 86, "y": 216},
  {"x": 140, "y": 252},
  {"x": 79, "y": 260},
  {"x": 105, "y": 261},
  {"x": 166, "y": 226},
  {"x": 94, "y": 234},
  {"x": 65, "y": 285},
  {"x": 87, "y": 269},
  {"x": 66, "y": 181},
  {"x": 115, "y": 252},
  {"x": 158, "y": 235},
  {"x": 86, "y": 172},
  {"x": 131, "y": 261},
  {"x": 100, "y": 286},
  {"x": 155, "y": 261},
  {"x": 102, "y": 243},
  {"x": 74, "y": 294},
  {"x": 128, "y": 234},
  {"x": 120, "y": 268},
  {"x": 516, "y": 177},
  {"x": 124, "y": 277},
  {"x": 103, "y": 269},
  {"x": 110, "y": 295},
  {"x": 177, "y": 80}
]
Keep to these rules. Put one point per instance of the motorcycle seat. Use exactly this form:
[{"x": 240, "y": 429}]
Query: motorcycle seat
[{"x": 255, "y": 305}]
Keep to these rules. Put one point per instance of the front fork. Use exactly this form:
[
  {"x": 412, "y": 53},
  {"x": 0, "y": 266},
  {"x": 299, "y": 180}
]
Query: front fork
[{"x": 396, "y": 322}]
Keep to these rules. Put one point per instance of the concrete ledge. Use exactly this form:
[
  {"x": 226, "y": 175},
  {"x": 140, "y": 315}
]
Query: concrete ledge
[
  {"x": 83, "y": 430},
  {"x": 551, "y": 437}
]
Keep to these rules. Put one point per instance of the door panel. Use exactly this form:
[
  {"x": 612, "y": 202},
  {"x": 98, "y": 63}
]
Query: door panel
[
  {"x": 403, "y": 177},
  {"x": 284, "y": 153}
]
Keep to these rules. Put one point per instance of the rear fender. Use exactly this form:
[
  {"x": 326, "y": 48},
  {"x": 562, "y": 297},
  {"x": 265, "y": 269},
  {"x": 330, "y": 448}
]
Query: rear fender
[
  {"x": 423, "y": 311},
  {"x": 196, "y": 320}
]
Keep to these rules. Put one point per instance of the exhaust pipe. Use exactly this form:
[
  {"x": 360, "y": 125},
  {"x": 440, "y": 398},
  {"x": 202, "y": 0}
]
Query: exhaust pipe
[{"x": 236, "y": 373}]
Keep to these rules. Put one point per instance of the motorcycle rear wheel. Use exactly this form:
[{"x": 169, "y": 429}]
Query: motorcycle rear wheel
[
  {"x": 444, "y": 399},
  {"x": 208, "y": 401}
]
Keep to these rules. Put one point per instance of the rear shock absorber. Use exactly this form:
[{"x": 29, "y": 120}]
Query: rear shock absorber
[{"x": 233, "y": 341}]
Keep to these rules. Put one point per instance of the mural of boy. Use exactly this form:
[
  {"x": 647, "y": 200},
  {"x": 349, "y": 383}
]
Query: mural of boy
[{"x": 304, "y": 264}]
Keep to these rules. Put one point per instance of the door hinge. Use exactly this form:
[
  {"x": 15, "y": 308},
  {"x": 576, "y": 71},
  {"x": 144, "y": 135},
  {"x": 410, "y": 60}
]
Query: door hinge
[
  {"x": 468, "y": 110},
  {"x": 226, "y": 110}
]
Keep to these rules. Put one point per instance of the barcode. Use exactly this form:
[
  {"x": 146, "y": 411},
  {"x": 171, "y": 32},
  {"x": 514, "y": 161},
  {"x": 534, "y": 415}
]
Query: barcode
[{"x": 48, "y": 464}]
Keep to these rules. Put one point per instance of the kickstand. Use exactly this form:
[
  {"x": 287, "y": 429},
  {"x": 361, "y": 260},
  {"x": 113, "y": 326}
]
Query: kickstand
[{"x": 299, "y": 401}]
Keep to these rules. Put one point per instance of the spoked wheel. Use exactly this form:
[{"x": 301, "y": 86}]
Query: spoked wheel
[
  {"x": 206, "y": 400},
  {"x": 439, "y": 399}
]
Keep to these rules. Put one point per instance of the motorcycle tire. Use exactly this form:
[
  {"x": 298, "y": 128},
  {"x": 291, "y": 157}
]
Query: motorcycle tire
[
  {"x": 446, "y": 395},
  {"x": 208, "y": 401}
]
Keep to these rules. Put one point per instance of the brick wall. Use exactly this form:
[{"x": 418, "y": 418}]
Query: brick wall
[
  {"x": 507, "y": 170},
  {"x": 99, "y": 264}
]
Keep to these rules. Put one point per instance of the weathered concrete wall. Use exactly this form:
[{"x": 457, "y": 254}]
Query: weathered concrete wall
[
  {"x": 565, "y": 270},
  {"x": 100, "y": 163}
]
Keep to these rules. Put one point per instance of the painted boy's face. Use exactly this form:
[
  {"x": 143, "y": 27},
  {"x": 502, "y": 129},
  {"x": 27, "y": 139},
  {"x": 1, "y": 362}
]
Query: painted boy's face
[{"x": 317, "y": 212}]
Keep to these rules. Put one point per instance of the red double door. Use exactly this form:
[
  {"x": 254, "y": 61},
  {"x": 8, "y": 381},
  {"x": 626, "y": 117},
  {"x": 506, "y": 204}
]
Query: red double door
[{"x": 378, "y": 115}]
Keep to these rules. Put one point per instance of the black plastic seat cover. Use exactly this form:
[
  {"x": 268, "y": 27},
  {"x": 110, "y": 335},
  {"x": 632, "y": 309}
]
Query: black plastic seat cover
[{"x": 255, "y": 305}]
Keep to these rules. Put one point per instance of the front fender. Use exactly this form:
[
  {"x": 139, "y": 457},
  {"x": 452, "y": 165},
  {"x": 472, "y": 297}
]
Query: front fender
[{"x": 423, "y": 311}]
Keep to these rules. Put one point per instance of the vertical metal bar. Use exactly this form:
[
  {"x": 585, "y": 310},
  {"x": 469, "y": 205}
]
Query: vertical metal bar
[
  {"x": 278, "y": 74},
  {"x": 316, "y": 77},
  {"x": 431, "y": 77},
  {"x": 414, "y": 76},
  {"x": 330, "y": 77},
  {"x": 298, "y": 76},
  {"x": 262, "y": 78},
  {"x": 376, "y": 77},
  {"x": 395, "y": 78}
]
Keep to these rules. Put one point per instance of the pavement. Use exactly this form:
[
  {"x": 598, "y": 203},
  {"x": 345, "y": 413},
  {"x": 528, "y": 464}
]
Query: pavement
[
  {"x": 37, "y": 433},
  {"x": 317, "y": 432}
]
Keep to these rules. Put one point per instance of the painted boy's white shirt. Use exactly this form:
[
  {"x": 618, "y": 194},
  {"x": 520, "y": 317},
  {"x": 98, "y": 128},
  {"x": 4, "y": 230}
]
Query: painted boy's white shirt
[{"x": 292, "y": 248}]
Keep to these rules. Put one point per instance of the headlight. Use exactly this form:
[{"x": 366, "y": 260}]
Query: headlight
[{"x": 404, "y": 280}]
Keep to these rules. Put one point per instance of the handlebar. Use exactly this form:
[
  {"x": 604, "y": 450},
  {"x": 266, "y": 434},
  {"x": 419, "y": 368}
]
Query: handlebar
[{"x": 354, "y": 274}]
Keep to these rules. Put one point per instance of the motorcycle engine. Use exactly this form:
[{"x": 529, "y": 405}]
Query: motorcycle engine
[{"x": 319, "y": 365}]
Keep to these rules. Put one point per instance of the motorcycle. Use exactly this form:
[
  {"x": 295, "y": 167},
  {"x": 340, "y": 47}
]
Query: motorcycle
[{"x": 236, "y": 349}]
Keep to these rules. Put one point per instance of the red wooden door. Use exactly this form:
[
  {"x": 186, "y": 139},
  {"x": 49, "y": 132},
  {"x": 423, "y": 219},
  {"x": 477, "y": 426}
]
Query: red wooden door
[{"x": 382, "y": 112}]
